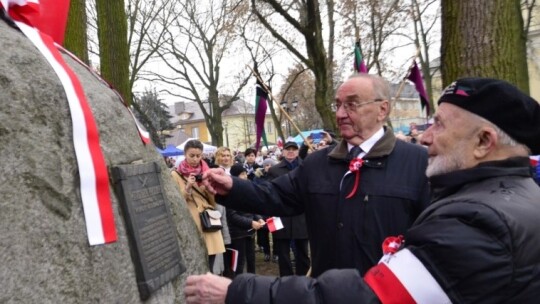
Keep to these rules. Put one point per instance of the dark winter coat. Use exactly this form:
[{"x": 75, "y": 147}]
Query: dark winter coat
[
  {"x": 345, "y": 233},
  {"x": 478, "y": 239},
  {"x": 294, "y": 227},
  {"x": 250, "y": 170},
  {"x": 240, "y": 223}
]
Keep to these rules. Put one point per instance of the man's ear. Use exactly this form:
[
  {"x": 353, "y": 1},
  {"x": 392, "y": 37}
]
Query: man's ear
[
  {"x": 486, "y": 141},
  {"x": 384, "y": 107}
]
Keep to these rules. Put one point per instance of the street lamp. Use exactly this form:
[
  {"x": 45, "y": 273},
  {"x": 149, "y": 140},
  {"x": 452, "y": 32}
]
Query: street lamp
[{"x": 289, "y": 109}]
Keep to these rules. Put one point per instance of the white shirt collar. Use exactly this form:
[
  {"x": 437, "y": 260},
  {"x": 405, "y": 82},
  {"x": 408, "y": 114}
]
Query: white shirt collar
[{"x": 368, "y": 144}]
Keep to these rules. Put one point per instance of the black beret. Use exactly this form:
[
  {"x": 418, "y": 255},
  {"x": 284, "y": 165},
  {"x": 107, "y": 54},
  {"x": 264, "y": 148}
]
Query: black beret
[{"x": 502, "y": 104}]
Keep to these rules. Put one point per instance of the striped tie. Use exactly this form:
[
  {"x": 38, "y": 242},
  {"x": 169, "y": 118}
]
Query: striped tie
[{"x": 354, "y": 153}]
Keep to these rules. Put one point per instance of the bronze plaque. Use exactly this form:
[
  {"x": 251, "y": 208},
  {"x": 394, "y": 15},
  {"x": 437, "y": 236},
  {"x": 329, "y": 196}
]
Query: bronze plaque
[{"x": 151, "y": 232}]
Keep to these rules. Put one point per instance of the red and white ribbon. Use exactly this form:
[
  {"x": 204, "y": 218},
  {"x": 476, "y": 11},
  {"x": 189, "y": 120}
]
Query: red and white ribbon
[
  {"x": 401, "y": 278},
  {"x": 92, "y": 167},
  {"x": 145, "y": 136}
]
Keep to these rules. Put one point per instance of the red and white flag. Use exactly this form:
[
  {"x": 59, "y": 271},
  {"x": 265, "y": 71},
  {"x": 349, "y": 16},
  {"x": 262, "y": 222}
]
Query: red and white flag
[
  {"x": 274, "y": 224},
  {"x": 279, "y": 143}
]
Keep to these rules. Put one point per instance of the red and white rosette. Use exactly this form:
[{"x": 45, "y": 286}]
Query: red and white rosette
[
  {"x": 354, "y": 166},
  {"x": 392, "y": 244}
]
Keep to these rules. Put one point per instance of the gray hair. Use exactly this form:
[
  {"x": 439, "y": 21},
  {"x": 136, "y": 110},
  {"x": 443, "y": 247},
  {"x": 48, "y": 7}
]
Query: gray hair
[
  {"x": 507, "y": 140},
  {"x": 504, "y": 138},
  {"x": 381, "y": 88}
]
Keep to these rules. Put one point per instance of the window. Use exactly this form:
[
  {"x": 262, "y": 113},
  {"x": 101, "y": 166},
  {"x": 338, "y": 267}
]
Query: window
[
  {"x": 269, "y": 128},
  {"x": 195, "y": 132}
]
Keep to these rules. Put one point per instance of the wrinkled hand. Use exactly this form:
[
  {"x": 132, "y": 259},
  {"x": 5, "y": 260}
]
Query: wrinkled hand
[
  {"x": 217, "y": 181},
  {"x": 206, "y": 289}
]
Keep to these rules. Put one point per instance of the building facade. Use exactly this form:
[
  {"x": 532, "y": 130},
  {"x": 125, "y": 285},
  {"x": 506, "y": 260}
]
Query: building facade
[{"x": 239, "y": 130}]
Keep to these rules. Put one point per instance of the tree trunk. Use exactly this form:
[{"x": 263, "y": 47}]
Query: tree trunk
[
  {"x": 483, "y": 38},
  {"x": 321, "y": 65},
  {"x": 76, "y": 39},
  {"x": 309, "y": 26},
  {"x": 113, "y": 46}
]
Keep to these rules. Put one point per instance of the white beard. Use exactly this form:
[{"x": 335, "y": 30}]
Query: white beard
[{"x": 450, "y": 162}]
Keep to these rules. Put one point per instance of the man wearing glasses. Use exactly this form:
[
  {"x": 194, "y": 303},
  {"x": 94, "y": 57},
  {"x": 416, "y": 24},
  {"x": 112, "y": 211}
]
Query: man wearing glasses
[{"x": 354, "y": 194}]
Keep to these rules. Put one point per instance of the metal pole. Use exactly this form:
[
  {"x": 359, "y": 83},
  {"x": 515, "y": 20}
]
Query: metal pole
[{"x": 227, "y": 133}]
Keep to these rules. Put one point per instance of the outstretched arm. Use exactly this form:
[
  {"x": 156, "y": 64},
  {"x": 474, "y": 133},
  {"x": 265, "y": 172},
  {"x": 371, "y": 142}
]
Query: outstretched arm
[{"x": 333, "y": 286}]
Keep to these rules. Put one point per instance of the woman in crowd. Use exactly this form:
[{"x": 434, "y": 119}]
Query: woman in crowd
[
  {"x": 249, "y": 164},
  {"x": 224, "y": 158},
  {"x": 187, "y": 175}
]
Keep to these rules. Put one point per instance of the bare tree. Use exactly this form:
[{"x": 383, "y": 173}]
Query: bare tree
[
  {"x": 305, "y": 18},
  {"x": 528, "y": 7},
  {"x": 194, "y": 47},
  {"x": 147, "y": 24},
  {"x": 262, "y": 50},
  {"x": 374, "y": 23},
  {"x": 299, "y": 87},
  {"x": 425, "y": 19}
]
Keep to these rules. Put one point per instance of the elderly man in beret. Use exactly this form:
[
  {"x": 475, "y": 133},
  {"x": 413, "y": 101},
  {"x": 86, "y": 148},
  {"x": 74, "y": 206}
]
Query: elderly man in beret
[{"x": 479, "y": 240}]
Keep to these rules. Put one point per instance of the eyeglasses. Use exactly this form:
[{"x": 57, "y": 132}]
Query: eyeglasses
[{"x": 351, "y": 106}]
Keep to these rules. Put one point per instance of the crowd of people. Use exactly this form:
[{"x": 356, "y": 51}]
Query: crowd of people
[
  {"x": 231, "y": 250},
  {"x": 451, "y": 218}
]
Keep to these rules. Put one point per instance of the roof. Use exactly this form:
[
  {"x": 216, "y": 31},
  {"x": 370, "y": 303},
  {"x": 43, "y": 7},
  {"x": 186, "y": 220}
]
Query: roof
[{"x": 177, "y": 137}]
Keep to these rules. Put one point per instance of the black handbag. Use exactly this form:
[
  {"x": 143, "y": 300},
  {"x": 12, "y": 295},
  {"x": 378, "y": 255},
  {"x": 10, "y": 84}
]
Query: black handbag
[{"x": 211, "y": 220}]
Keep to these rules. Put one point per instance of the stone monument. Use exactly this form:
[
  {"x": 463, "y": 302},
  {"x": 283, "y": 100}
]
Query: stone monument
[{"x": 44, "y": 251}]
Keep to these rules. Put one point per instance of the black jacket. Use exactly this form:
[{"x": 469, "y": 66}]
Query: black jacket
[
  {"x": 345, "y": 233},
  {"x": 294, "y": 227},
  {"x": 479, "y": 240},
  {"x": 240, "y": 223},
  {"x": 250, "y": 170}
]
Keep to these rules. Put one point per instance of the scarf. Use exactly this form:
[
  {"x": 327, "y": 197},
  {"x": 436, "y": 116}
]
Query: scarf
[
  {"x": 186, "y": 169},
  {"x": 292, "y": 165}
]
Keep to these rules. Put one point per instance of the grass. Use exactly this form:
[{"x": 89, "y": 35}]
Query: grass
[{"x": 265, "y": 268}]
